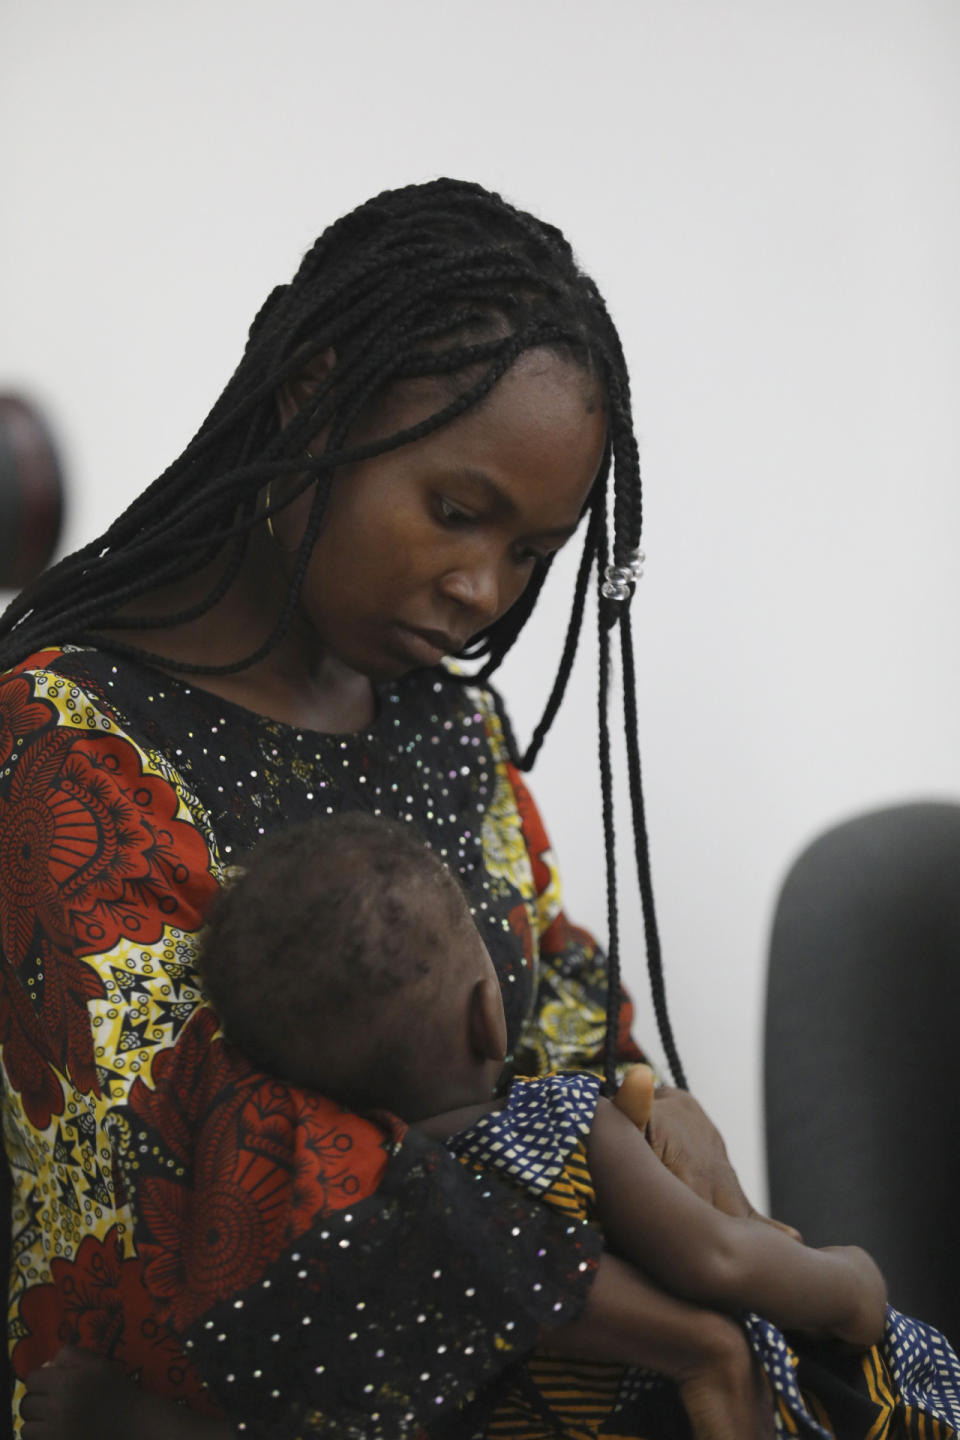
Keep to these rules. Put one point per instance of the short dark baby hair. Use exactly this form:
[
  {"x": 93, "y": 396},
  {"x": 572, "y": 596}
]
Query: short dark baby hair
[{"x": 336, "y": 929}]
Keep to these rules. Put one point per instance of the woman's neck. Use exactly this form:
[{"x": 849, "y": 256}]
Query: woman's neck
[{"x": 295, "y": 682}]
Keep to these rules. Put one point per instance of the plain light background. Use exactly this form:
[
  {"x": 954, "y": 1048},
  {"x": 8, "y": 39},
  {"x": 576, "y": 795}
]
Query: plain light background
[{"x": 769, "y": 195}]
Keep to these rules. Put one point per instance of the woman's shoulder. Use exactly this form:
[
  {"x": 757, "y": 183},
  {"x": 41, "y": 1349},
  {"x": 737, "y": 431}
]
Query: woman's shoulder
[
  {"x": 88, "y": 688},
  {"x": 78, "y": 665}
]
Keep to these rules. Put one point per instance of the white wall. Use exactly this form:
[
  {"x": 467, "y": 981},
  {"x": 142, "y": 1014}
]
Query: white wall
[{"x": 768, "y": 194}]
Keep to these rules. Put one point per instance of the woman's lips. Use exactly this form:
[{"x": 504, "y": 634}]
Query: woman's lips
[{"x": 425, "y": 647}]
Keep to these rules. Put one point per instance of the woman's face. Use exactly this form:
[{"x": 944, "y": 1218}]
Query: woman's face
[{"x": 425, "y": 545}]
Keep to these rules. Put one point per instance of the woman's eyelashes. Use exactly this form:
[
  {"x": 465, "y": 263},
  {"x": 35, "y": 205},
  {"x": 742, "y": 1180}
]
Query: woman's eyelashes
[
  {"x": 526, "y": 555},
  {"x": 456, "y": 516},
  {"x": 453, "y": 514}
]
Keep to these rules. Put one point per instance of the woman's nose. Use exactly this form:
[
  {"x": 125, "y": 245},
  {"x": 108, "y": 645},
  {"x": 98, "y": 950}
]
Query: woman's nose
[{"x": 475, "y": 587}]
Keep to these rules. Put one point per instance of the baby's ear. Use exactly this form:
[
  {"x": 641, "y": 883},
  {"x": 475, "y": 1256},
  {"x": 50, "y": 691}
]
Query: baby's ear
[{"x": 488, "y": 1024}]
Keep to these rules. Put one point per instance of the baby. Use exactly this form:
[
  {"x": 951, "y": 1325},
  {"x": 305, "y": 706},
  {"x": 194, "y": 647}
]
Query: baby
[{"x": 346, "y": 961}]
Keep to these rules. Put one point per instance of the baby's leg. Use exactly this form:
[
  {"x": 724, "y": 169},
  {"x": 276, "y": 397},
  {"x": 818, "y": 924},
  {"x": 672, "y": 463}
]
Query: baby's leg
[
  {"x": 79, "y": 1396},
  {"x": 635, "y": 1096}
]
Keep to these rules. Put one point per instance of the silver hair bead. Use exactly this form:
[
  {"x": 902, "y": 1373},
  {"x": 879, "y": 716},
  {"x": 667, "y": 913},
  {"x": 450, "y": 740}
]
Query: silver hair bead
[
  {"x": 619, "y": 580},
  {"x": 617, "y": 583}
]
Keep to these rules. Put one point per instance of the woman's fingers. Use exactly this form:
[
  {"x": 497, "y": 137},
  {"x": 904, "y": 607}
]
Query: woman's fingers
[
  {"x": 738, "y": 1204},
  {"x": 726, "y": 1397},
  {"x": 790, "y": 1230},
  {"x": 689, "y": 1144},
  {"x": 715, "y": 1414}
]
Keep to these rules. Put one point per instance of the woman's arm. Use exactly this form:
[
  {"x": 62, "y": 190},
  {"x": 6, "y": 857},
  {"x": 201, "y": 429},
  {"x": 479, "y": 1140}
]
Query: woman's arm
[
  {"x": 732, "y": 1263},
  {"x": 97, "y": 922},
  {"x": 629, "y": 1319}
]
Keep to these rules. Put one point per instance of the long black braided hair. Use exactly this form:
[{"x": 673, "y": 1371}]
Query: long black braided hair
[{"x": 442, "y": 280}]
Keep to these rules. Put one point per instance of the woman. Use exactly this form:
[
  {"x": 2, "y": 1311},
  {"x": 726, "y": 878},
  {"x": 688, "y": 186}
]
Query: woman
[{"x": 420, "y": 419}]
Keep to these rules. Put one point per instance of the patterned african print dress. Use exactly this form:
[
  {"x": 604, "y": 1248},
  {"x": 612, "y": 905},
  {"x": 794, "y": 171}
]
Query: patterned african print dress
[
  {"x": 231, "y": 1241},
  {"x": 228, "y": 1239}
]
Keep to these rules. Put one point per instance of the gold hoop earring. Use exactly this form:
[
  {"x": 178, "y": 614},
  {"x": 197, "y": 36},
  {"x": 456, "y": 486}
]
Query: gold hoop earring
[
  {"x": 270, "y": 530},
  {"x": 269, "y": 499}
]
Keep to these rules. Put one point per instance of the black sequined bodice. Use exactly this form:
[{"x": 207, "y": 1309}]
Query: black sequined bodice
[{"x": 426, "y": 759}]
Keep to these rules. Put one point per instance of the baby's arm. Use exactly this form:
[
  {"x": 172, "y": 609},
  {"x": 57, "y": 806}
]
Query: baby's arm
[{"x": 718, "y": 1260}]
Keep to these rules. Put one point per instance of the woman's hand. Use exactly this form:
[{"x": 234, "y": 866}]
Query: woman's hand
[
  {"x": 725, "y": 1394},
  {"x": 690, "y": 1146},
  {"x": 629, "y": 1320}
]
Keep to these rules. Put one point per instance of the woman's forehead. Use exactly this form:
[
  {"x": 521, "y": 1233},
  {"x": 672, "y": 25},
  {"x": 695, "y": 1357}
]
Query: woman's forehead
[{"x": 405, "y": 403}]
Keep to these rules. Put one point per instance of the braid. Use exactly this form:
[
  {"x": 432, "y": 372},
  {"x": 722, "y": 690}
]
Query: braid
[
  {"x": 445, "y": 281},
  {"x": 642, "y": 851},
  {"x": 609, "y": 843},
  {"x": 573, "y": 636}
]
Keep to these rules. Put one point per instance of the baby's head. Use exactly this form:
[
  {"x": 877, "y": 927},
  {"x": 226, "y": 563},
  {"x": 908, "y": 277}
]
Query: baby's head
[{"x": 345, "y": 959}]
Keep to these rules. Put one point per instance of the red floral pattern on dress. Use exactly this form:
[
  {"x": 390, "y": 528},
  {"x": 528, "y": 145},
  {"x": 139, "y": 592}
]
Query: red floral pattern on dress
[
  {"x": 534, "y": 833},
  {"x": 20, "y": 713},
  {"x": 98, "y": 1301},
  {"x": 53, "y": 1033},
  {"x": 521, "y": 927},
  {"x": 263, "y": 1162},
  {"x": 90, "y": 851},
  {"x": 338, "y": 1158}
]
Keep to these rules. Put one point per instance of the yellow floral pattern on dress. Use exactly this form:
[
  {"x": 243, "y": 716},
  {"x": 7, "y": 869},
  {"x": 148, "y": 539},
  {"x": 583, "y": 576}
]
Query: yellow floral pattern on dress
[
  {"x": 504, "y": 848},
  {"x": 567, "y": 1030},
  {"x": 549, "y": 900},
  {"x": 150, "y": 996}
]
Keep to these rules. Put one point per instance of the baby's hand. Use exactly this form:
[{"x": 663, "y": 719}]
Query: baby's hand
[
  {"x": 66, "y": 1395},
  {"x": 79, "y": 1396},
  {"x": 867, "y": 1319}
]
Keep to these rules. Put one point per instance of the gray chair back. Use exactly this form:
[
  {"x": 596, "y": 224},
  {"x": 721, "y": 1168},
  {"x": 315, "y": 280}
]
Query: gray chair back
[{"x": 862, "y": 1050}]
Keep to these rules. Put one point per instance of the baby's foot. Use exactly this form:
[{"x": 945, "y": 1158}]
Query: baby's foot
[{"x": 635, "y": 1096}]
